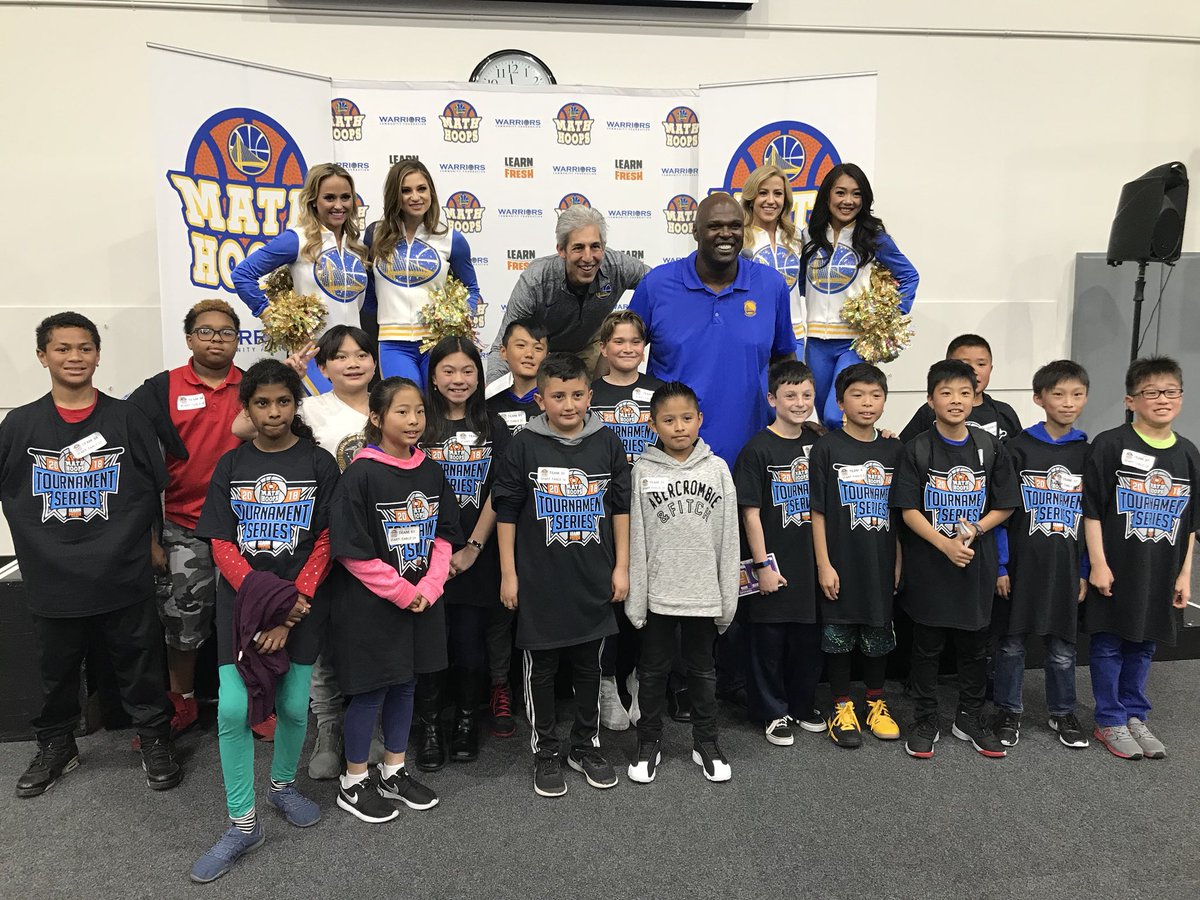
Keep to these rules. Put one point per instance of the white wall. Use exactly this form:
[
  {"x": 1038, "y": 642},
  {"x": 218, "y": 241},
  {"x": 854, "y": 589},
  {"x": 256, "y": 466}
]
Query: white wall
[{"x": 1000, "y": 154}]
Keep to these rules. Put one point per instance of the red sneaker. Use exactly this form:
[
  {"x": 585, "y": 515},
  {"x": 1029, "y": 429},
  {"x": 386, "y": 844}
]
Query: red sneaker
[
  {"x": 265, "y": 730},
  {"x": 503, "y": 723},
  {"x": 187, "y": 713}
]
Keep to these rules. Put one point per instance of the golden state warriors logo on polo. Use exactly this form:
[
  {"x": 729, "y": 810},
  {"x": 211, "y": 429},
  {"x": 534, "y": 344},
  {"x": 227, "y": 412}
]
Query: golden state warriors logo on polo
[
  {"x": 573, "y": 199},
  {"x": 465, "y": 467},
  {"x": 570, "y": 502},
  {"x": 802, "y": 153},
  {"x": 271, "y": 513},
  {"x": 682, "y": 127},
  {"x": 749, "y": 309},
  {"x": 865, "y": 490},
  {"x": 1152, "y": 504},
  {"x": 631, "y": 422},
  {"x": 957, "y": 494},
  {"x": 460, "y": 123},
  {"x": 76, "y": 488},
  {"x": 783, "y": 260},
  {"x": 238, "y": 188},
  {"x": 341, "y": 275},
  {"x": 681, "y": 214},
  {"x": 464, "y": 212},
  {"x": 573, "y": 125},
  {"x": 410, "y": 528},
  {"x": 1053, "y": 500},
  {"x": 790, "y": 492},
  {"x": 411, "y": 264},
  {"x": 347, "y": 120}
]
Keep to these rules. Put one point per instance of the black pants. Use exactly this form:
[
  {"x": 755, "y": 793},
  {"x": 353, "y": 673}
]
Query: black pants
[
  {"x": 541, "y": 666},
  {"x": 696, "y": 638},
  {"x": 971, "y": 649},
  {"x": 785, "y": 663},
  {"x": 466, "y": 631},
  {"x": 133, "y": 639},
  {"x": 620, "y": 651}
]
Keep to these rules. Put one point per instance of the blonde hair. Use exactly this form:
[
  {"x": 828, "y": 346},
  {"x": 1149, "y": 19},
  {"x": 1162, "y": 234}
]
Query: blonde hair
[
  {"x": 390, "y": 229},
  {"x": 754, "y": 181},
  {"x": 311, "y": 226}
]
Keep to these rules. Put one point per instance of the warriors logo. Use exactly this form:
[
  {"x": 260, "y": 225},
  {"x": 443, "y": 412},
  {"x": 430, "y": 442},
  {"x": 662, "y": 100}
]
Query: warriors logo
[
  {"x": 1152, "y": 504},
  {"x": 573, "y": 200},
  {"x": 75, "y": 488},
  {"x": 681, "y": 214},
  {"x": 347, "y": 447},
  {"x": 465, "y": 467},
  {"x": 573, "y": 125},
  {"x": 347, "y": 120},
  {"x": 832, "y": 275},
  {"x": 782, "y": 259},
  {"x": 957, "y": 494},
  {"x": 571, "y": 503},
  {"x": 271, "y": 513},
  {"x": 682, "y": 128},
  {"x": 460, "y": 123},
  {"x": 238, "y": 188},
  {"x": 410, "y": 527},
  {"x": 464, "y": 213},
  {"x": 1053, "y": 500},
  {"x": 789, "y": 490},
  {"x": 411, "y": 264},
  {"x": 341, "y": 275},
  {"x": 865, "y": 490},
  {"x": 631, "y": 423}
]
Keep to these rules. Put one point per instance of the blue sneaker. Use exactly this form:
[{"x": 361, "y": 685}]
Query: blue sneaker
[
  {"x": 296, "y": 808},
  {"x": 225, "y": 852}
]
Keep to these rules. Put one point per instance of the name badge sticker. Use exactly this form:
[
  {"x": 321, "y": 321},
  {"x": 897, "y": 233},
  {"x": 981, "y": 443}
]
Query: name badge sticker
[
  {"x": 1142, "y": 461},
  {"x": 553, "y": 475},
  {"x": 408, "y": 535},
  {"x": 655, "y": 484},
  {"x": 641, "y": 395},
  {"x": 86, "y": 445},
  {"x": 855, "y": 474},
  {"x": 466, "y": 437},
  {"x": 514, "y": 418},
  {"x": 190, "y": 401}
]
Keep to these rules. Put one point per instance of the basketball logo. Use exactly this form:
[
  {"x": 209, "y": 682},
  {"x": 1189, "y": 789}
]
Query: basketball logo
[
  {"x": 627, "y": 412},
  {"x": 573, "y": 200},
  {"x": 418, "y": 507},
  {"x": 782, "y": 260},
  {"x": 456, "y": 451},
  {"x": 1158, "y": 483},
  {"x": 269, "y": 489},
  {"x": 681, "y": 214},
  {"x": 682, "y": 127},
  {"x": 341, "y": 276},
  {"x": 460, "y": 123},
  {"x": 411, "y": 265},
  {"x": 347, "y": 120},
  {"x": 573, "y": 125},
  {"x": 464, "y": 212},
  {"x": 832, "y": 276},
  {"x": 577, "y": 483},
  {"x": 73, "y": 465}
]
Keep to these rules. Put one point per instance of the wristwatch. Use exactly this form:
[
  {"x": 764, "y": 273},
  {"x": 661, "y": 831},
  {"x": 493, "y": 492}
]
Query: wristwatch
[
  {"x": 471, "y": 542},
  {"x": 761, "y": 565}
]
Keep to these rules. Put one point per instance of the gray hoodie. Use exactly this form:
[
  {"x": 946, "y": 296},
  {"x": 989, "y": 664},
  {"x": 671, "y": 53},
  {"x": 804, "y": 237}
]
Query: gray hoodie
[
  {"x": 541, "y": 425},
  {"x": 683, "y": 537}
]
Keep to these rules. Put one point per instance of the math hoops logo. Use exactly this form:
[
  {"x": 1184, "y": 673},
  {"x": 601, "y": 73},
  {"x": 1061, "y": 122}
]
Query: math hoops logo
[
  {"x": 573, "y": 125},
  {"x": 271, "y": 513},
  {"x": 75, "y": 488},
  {"x": 460, "y": 123},
  {"x": 682, "y": 127},
  {"x": 347, "y": 119},
  {"x": 409, "y": 528},
  {"x": 1152, "y": 503},
  {"x": 238, "y": 189},
  {"x": 464, "y": 212},
  {"x": 571, "y": 503},
  {"x": 681, "y": 214}
]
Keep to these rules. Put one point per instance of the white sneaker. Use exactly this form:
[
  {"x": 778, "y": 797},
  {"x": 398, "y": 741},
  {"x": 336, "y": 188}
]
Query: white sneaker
[
  {"x": 709, "y": 757},
  {"x": 612, "y": 714},
  {"x": 648, "y": 761},
  {"x": 635, "y": 711}
]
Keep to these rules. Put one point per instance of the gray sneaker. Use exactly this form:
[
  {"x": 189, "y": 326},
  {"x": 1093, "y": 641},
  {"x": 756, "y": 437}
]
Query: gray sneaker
[
  {"x": 1118, "y": 741},
  {"x": 326, "y": 760},
  {"x": 1152, "y": 747},
  {"x": 613, "y": 715}
]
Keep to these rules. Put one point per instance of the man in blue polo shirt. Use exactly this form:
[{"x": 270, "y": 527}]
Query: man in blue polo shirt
[{"x": 716, "y": 322}]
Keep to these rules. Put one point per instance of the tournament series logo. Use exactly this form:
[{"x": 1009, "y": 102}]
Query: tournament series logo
[
  {"x": 682, "y": 128},
  {"x": 409, "y": 528},
  {"x": 271, "y": 513},
  {"x": 782, "y": 259},
  {"x": 681, "y": 214},
  {"x": 632, "y": 425},
  {"x": 464, "y": 213},
  {"x": 347, "y": 120},
  {"x": 465, "y": 467},
  {"x": 1152, "y": 503},
  {"x": 571, "y": 507},
  {"x": 957, "y": 494},
  {"x": 573, "y": 125},
  {"x": 411, "y": 265},
  {"x": 460, "y": 123},
  {"x": 75, "y": 488},
  {"x": 238, "y": 188},
  {"x": 865, "y": 490},
  {"x": 572, "y": 199},
  {"x": 790, "y": 490},
  {"x": 1053, "y": 500}
]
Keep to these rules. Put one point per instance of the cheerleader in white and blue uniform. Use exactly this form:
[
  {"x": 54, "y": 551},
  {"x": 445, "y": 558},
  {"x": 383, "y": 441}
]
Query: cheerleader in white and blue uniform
[
  {"x": 843, "y": 243},
  {"x": 411, "y": 253},
  {"x": 323, "y": 253},
  {"x": 771, "y": 239}
]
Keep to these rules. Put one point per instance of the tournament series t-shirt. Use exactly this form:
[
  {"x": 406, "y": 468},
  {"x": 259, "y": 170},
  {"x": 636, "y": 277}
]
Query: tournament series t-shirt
[
  {"x": 80, "y": 499},
  {"x": 1142, "y": 496},
  {"x": 851, "y": 485},
  {"x": 957, "y": 484},
  {"x": 994, "y": 416},
  {"x": 338, "y": 426},
  {"x": 515, "y": 411},
  {"x": 562, "y": 498},
  {"x": 626, "y": 410},
  {"x": 772, "y": 475}
]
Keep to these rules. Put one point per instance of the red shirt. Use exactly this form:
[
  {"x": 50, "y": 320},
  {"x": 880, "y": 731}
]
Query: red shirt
[
  {"x": 203, "y": 416},
  {"x": 74, "y": 416}
]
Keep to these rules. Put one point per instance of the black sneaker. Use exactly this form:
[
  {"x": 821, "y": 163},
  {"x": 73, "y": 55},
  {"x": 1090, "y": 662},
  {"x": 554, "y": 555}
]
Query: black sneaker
[
  {"x": 162, "y": 772},
  {"x": 648, "y": 759},
  {"x": 1007, "y": 727},
  {"x": 408, "y": 790},
  {"x": 708, "y": 756},
  {"x": 54, "y": 759},
  {"x": 922, "y": 735},
  {"x": 779, "y": 732},
  {"x": 594, "y": 767},
  {"x": 1070, "y": 733},
  {"x": 363, "y": 801},
  {"x": 679, "y": 705},
  {"x": 548, "y": 778},
  {"x": 814, "y": 722},
  {"x": 971, "y": 728}
]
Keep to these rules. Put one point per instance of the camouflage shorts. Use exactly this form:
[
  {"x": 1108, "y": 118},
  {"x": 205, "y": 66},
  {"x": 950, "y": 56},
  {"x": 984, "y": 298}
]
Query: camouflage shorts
[
  {"x": 874, "y": 640},
  {"x": 186, "y": 602}
]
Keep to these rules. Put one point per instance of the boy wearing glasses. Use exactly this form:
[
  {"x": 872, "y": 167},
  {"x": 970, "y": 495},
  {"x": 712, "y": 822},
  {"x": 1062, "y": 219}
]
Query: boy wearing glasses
[
  {"x": 192, "y": 409},
  {"x": 1138, "y": 518}
]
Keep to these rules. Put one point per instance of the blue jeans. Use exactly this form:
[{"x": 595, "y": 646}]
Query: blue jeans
[
  {"x": 1119, "y": 672},
  {"x": 1060, "y": 674}
]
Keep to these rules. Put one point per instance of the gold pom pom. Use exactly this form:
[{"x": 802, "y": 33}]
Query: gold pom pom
[
  {"x": 875, "y": 313},
  {"x": 447, "y": 314}
]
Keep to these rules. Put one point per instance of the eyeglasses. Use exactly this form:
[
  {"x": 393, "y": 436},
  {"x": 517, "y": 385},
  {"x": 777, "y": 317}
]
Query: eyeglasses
[
  {"x": 1155, "y": 393},
  {"x": 208, "y": 334}
]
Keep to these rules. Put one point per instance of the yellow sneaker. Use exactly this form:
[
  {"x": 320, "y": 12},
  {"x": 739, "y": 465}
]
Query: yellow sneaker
[
  {"x": 843, "y": 728},
  {"x": 880, "y": 721}
]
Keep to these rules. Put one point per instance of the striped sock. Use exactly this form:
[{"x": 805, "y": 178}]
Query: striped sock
[
  {"x": 246, "y": 823},
  {"x": 280, "y": 785}
]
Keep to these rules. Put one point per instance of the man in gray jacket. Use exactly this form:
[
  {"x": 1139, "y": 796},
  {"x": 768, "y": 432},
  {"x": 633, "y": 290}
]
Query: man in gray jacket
[{"x": 571, "y": 292}]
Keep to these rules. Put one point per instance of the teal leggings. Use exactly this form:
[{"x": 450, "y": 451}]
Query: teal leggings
[{"x": 237, "y": 743}]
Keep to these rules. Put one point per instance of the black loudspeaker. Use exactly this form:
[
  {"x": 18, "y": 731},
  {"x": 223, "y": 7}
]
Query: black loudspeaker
[{"x": 1148, "y": 226}]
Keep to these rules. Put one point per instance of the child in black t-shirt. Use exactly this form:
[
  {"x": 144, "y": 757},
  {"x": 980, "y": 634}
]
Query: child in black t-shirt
[
  {"x": 562, "y": 508},
  {"x": 267, "y": 515},
  {"x": 771, "y": 475},
  {"x": 851, "y": 471},
  {"x": 954, "y": 485}
]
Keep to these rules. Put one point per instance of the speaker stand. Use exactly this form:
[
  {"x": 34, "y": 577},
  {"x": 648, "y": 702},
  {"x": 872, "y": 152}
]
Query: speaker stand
[{"x": 1139, "y": 296}]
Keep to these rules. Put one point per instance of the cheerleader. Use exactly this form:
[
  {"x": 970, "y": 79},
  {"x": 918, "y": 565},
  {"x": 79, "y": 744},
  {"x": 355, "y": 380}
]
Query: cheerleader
[
  {"x": 771, "y": 239},
  {"x": 842, "y": 244}
]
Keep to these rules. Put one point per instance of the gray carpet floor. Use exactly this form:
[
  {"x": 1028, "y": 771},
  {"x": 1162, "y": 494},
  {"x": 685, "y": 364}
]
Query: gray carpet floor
[{"x": 809, "y": 820}]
